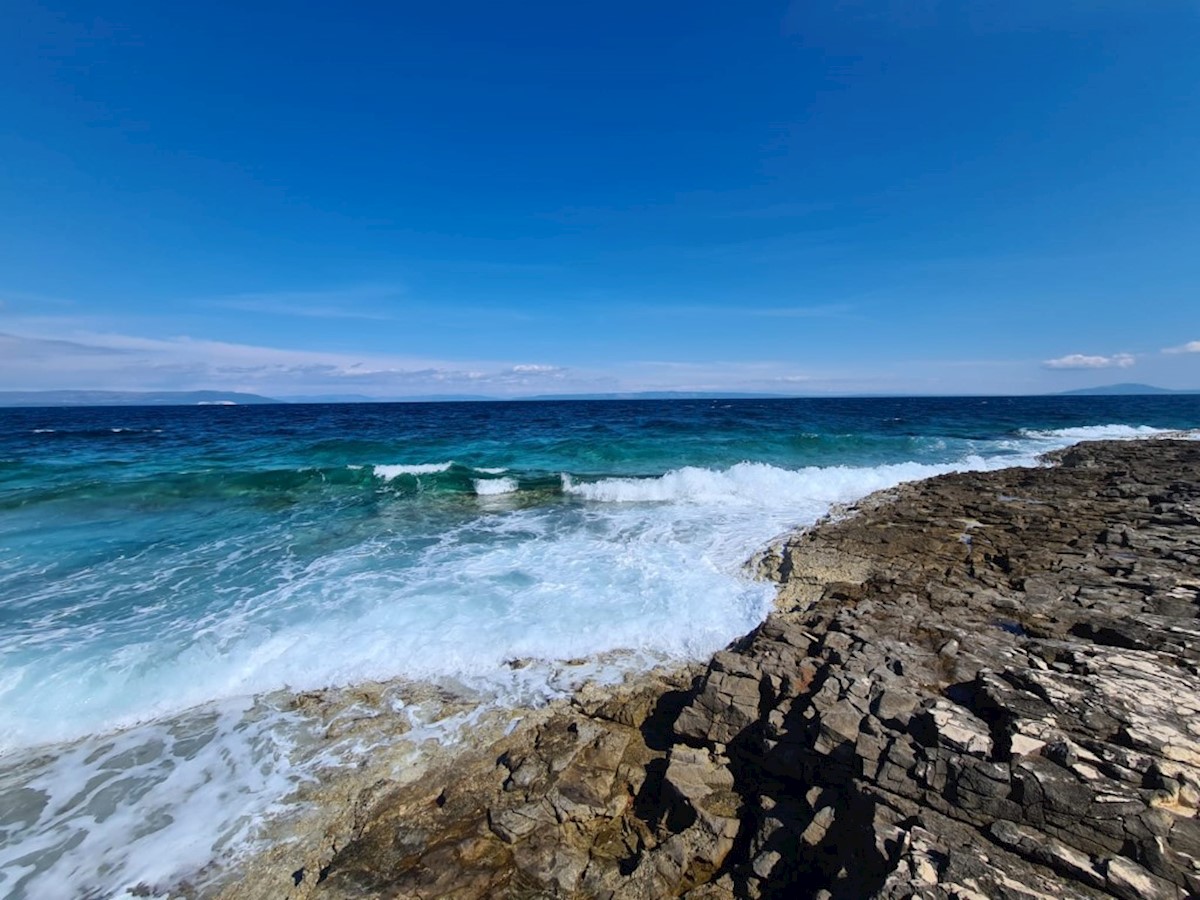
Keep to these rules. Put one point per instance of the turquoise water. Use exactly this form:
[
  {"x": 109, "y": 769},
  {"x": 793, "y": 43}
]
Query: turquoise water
[{"x": 162, "y": 567}]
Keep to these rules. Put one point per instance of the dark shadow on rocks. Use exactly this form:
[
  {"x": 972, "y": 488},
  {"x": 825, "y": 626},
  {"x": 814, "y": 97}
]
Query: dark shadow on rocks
[{"x": 657, "y": 730}]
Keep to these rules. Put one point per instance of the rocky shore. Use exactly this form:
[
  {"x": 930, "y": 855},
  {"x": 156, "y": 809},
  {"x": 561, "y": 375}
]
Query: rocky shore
[{"x": 981, "y": 685}]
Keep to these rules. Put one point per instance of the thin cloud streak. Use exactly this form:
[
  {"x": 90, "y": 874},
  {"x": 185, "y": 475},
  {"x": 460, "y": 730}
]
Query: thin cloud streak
[
  {"x": 1083, "y": 361},
  {"x": 1189, "y": 347},
  {"x": 126, "y": 362},
  {"x": 116, "y": 361}
]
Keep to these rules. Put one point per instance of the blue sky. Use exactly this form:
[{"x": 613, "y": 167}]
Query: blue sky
[{"x": 398, "y": 199}]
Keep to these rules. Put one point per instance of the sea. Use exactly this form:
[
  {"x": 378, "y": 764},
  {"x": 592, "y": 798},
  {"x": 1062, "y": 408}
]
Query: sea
[{"x": 166, "y": 571}]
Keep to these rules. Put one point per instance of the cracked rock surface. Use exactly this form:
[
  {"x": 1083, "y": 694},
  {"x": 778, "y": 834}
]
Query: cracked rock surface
[{"x": 980, "y": 685}]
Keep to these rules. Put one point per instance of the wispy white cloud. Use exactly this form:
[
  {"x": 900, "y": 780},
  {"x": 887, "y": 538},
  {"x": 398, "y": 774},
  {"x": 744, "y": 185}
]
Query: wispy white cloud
[
  {"x": 1189, "y": 347},
  {"x": 1082, "y": 361},
  {"x": 128, "y": 362}
]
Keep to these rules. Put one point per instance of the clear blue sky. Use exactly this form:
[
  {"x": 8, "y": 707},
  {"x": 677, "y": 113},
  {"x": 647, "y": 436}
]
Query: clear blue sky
[{"x": 503, "y": 198}]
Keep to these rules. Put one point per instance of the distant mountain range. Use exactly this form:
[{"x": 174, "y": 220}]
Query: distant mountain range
[
  {"x": 1126, "y": 388},
  {"x": 663, "y": 395},
  {"x": 363, "y": 398},
  {"x": 129, "y": 398},
  {"x": 456, "y": 398}
]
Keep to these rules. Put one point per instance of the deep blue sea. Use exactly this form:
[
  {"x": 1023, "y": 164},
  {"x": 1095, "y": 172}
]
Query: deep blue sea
[{"x": 160, "y": 568}]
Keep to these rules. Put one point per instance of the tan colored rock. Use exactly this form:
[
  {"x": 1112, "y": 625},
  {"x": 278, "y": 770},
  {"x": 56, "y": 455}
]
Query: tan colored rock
[{"x": 1130, "y": 881}]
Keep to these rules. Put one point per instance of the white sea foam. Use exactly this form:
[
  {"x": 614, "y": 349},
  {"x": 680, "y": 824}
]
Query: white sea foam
[
  {"x": 1093, "y": 433},
  {"x": 807, "y": 490},
  {"x": 543, "y": 583},
  {"x": 387, "y": 473},
  {"x": 489, "y": 487},
  {"x": 105, "y": 815},
  {"x": 486, "y": 471}
]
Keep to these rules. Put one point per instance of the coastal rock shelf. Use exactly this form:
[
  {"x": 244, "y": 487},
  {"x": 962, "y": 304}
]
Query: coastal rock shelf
[{"x": 980, "y": 685}]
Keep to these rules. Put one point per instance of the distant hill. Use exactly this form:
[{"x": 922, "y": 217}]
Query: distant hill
[
  {"x": 329, "y": 398},
  {"x": 662, "y": 395},
  {"x": 460, "y": 398},
  {"x": 129, "y": 398},
  {"x": 363, "y": 398},
  {"x": 1127, "y": 388}
]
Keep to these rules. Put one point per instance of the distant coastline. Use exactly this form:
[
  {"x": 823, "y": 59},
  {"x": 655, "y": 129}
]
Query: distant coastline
[
  {"x": 1114, "y": 390},
  {"x": 65, "y": 398},
  {"x": 129, "y": 398}
]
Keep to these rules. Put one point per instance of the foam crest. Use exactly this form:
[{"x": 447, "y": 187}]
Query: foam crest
[
  {"x": 387, "y": 473},
  {"x": 750, "y": 484},
  {"x": 1093, "y": 433},
  {"x": 491, "y": 487}
]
